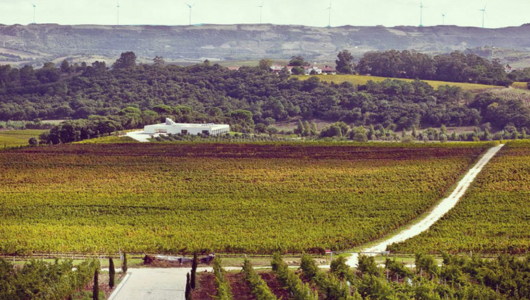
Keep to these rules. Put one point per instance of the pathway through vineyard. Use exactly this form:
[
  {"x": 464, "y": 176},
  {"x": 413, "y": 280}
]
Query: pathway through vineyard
[
  {"x": 156, "y": 283},
  {"x": 434, "y": 215}
]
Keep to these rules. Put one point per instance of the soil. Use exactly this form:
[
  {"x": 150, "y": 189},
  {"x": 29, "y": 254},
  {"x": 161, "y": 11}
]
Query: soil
[
  {"x": 274, "y": 285},
  {"x": 240, "y": 288},
  {"x": 103, "y": 281},
  {"x": 205, "y": 288}
]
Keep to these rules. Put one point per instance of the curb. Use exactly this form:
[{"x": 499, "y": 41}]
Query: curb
[{"x": 118, "y": 288}]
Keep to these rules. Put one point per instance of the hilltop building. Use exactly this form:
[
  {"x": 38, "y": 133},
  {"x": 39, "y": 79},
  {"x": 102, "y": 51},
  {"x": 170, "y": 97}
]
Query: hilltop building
[{"x": 183, "y": 128}]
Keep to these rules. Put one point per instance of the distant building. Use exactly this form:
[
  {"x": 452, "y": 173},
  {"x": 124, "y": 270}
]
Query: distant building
[
  {"x": 328, "y": 70},
  {"x": 182, "y": 128}
]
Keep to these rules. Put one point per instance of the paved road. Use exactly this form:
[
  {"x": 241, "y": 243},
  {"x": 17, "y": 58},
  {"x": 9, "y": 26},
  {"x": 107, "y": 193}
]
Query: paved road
[
  {"x": 155, "y": 284},
  {"x": 145, "y": 284},
  {"x": 437, "y": 212},
  {"x": 140, "y": 136}
]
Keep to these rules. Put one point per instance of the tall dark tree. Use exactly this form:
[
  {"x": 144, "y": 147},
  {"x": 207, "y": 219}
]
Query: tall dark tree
[
  {"x": 194, "y": 264},
  {"x": 187, "y": 293},
  {"x": 344, "y": 62},
  {"x": 124, "y": 265},
  {"x": 95, "y": 288},
  {"x": 127, "y": 60},
  {"x": 297, "y": 61},
  {"x": 112, "y": 272}
]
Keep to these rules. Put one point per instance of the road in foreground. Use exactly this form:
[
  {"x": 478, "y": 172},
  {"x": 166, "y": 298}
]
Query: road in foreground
[{"x": 437, "y": 212}]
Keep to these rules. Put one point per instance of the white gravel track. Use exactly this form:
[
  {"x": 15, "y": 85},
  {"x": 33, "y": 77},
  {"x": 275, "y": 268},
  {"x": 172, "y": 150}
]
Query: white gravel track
[{"x": 437, "y": 212}]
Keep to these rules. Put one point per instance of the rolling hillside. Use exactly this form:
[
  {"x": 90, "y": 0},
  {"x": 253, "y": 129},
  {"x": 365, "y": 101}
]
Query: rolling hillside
[{"x": 42, "y": 42}]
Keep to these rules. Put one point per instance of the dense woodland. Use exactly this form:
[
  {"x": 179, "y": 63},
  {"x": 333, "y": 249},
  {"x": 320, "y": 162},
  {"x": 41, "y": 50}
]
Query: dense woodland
[
  {"x": 456, "y": 67},
  {"x": 129, "y": 95}
]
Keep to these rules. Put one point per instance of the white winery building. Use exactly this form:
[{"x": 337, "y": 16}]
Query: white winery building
[{"x": 184, "y": 128}]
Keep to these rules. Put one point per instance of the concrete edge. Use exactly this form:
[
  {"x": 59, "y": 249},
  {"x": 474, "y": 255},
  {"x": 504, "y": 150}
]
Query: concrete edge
[{"x": 118, "y": 288}]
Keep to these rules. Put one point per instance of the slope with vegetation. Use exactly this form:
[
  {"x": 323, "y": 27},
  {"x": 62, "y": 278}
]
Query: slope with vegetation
[
  {"x": 251, "y": 198},
  {"x": 492, "y": 217},
  {"x": 250, "y": 99}
]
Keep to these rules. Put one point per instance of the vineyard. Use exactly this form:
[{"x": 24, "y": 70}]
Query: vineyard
[
  {"x": 492, "y": 217},
  {"x": 234, "y": 198},
  {"x": 460, "y": 278}
]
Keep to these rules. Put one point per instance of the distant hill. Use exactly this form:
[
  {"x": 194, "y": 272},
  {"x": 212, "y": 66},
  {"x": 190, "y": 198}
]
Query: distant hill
[{"x": 43, "y": 42}]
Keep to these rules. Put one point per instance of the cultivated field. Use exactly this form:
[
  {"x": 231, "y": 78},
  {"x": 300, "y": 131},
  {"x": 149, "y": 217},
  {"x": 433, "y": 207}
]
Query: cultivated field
[
  {"x": 251, "y": 198},
  {"x": 362, "y": 79},
  {"x": 15, "y": 138},
  {"x": 492, "y": 217}
]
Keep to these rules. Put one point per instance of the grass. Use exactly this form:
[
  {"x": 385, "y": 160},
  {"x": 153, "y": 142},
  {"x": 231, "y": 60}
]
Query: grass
[
  {"x": 16, "y": 138},
  {"x": 363, "y": 79},
  {"x": 520, "y": 85},
  {"x": 112, "y": 139}
]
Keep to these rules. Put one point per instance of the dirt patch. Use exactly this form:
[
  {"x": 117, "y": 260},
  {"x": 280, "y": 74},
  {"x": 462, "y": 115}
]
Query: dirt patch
[
  {"x": 103, "y": 282},
  {"x": 205, "y": 288},
  {"x": 274, "y": 285},
  {"x": 239, "y": 286}
]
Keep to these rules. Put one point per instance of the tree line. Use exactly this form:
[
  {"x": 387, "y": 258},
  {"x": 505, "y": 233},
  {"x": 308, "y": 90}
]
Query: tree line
[
  {"x": 455, "y": 67},
  {"x": 130, "y": 95}
]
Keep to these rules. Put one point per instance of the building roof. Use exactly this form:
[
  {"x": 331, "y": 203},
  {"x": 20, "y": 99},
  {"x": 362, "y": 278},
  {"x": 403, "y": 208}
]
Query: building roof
[{"x": 171, "y": 123}]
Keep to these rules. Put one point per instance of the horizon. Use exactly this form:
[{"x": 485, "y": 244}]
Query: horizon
[{"x": 311, "y": 13}]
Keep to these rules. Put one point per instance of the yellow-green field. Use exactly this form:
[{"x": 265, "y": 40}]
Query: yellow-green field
[
  {"x": 362, "y": 79},
  {"x": 15, "y": 138},
  {"x": 112, "y": 139},
  {"x": 520, "y": 85}
]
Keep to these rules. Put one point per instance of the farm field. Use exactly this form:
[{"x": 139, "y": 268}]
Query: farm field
[
  {"x": 363, "y": 79},
  {"x": 251, "y": 198},
  {"x": 492, "y": 217},
  {"x": 15, "y": 138}
]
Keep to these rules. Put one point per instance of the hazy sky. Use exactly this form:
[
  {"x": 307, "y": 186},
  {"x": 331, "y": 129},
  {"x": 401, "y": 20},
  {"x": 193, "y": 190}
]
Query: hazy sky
[{"x": 499, "y": 13}]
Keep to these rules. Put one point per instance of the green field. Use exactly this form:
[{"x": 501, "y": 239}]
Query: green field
[
  {"x": 493, "y": 216},
  {"x": 15, "y": 138},
  {"x": 363, "y": 79},
  {"x": 243, "y": 198}
]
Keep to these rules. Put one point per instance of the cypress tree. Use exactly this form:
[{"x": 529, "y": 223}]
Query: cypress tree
[
  {"x": 187, "y": 293},
  {"x": 194, "y": 270},
  {"x": 112, "y": 272},
  {"x": 95, "y": 289},
  {"x": 124, "y": 265}
]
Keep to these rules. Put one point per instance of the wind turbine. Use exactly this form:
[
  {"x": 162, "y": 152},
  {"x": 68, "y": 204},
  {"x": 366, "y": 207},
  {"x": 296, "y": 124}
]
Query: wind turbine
[
  {"x": 118, "y": 13},
  {"x": 34, "y": 7},
  {"x": 421, "y": 14},
  {"x": 443, "y": 19},
  {"x": 260, "y": 11},
  {"x": 190, "y": 6},
  {"x": 329, "y": 15},
  {"x": 483, "y": 14}
]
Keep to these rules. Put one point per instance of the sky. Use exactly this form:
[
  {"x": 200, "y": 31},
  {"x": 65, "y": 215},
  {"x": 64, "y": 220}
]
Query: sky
[{"x": 499, "y": 13}]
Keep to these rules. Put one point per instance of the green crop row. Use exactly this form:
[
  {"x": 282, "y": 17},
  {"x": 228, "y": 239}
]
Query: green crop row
[
  {"x": 493, "y": 215},
  {"x": 244, "y": 198}
]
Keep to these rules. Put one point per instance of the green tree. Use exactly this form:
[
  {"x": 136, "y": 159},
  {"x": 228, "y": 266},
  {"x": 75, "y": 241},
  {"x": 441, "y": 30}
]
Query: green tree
[
  {"x": 112, "y": 272},
  {"x": 127, "y": 60},
  {"x": 194, "y": 264},
  {"x": 158, "y": 61},
  {"x": 33, "y": 141},
  {"x": 297, "y": 61},
  {"x": 124, "y": 263},
  {"x": 95, "y": 288},
  {"x": 265, "y": 64},
  {"x": 344, "y": 62},
  {"x": 187, "y": 292}
]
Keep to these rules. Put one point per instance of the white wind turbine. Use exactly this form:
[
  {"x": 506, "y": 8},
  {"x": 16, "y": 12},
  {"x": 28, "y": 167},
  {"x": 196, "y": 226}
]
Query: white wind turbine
[
  {"x": 34, "y": 8},
  {"x": 483, "y": 14},
  {"x": 118, "y": 13},
  {"x": 190, "y": 7},
  {"x": 329, "y": 14},
  {"x": 260, "y": 11}
]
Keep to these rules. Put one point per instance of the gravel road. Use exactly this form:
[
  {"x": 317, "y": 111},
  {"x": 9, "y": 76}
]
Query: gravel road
[{"x": 437, "y": 212}]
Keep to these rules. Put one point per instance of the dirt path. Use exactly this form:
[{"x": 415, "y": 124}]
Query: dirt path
[{"x": 437, "y": 212}]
